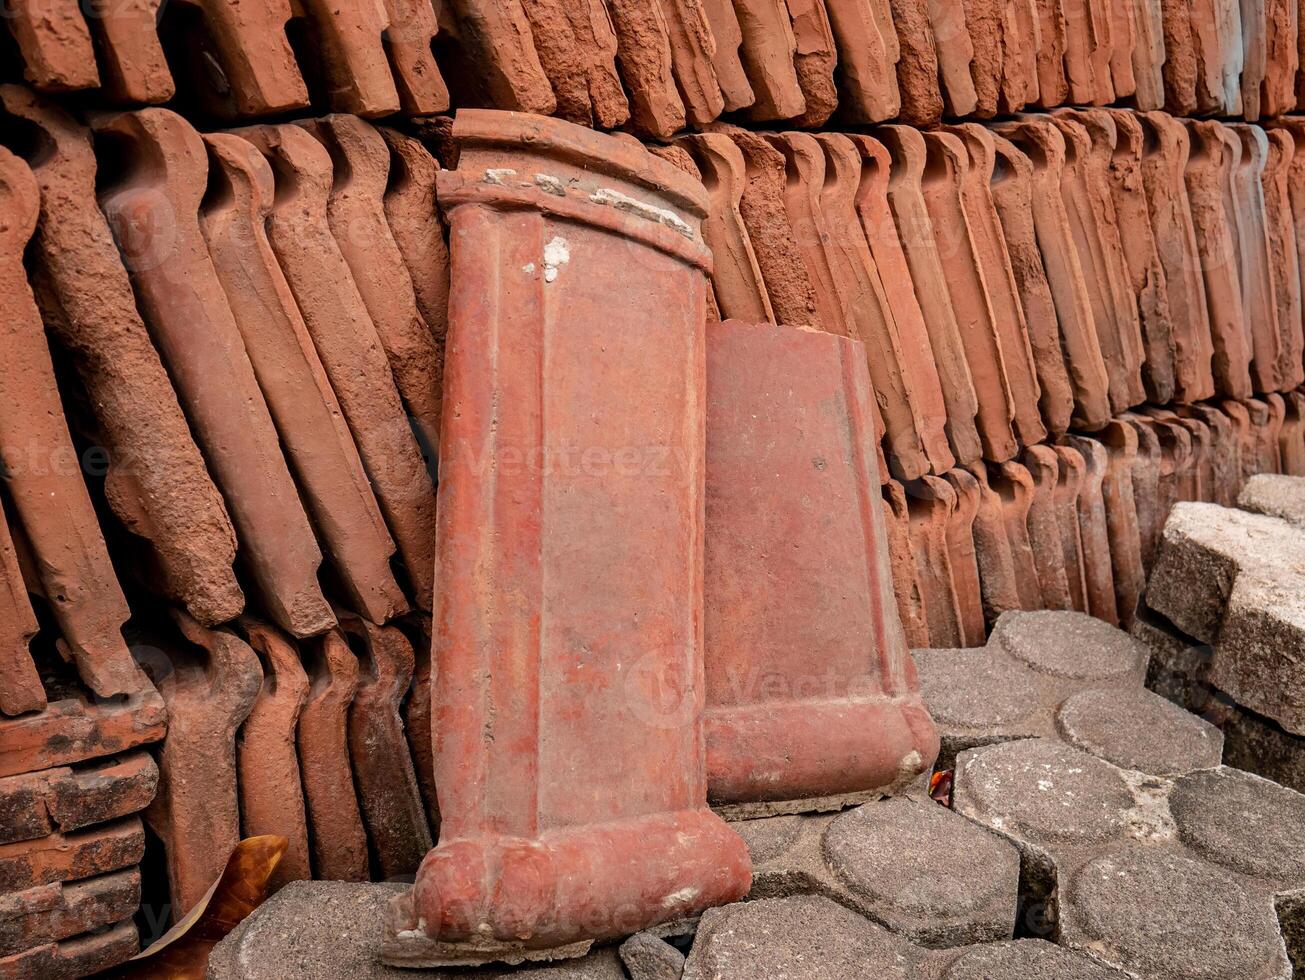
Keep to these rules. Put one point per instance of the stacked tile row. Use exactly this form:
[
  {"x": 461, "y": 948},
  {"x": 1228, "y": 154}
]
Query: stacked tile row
[
  {"x": 659, "y": 66},
  {"x": 1014, "y": 282},
  {"x": 234, "y": 60},
  {"x": 222, "y": 368},
  {"x": 1074, "y": 524}
]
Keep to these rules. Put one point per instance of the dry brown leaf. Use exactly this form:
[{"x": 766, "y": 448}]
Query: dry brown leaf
[{"x": 182, "y": 952}]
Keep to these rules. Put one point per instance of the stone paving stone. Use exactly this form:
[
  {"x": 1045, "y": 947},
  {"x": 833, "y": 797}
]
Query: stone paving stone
[
  {"x": 647, "y": 957},
  {"x": 1275, "y": 495},
  {"x": 1026, "y": 959},
  {"x": 1164, "y": 878},
  {"x": 1013, "y": 687},
  {"x": 1233, "y": 579},
  {"x": 1136, "y": 729},
  {"x": 909, "y": 864},
  {"x": 333, "y": 929}
]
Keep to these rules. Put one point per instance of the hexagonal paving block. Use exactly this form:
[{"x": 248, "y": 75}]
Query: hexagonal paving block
[
  {"x": 1197, "y": 876},
  {"x": 1033, "y": 663},
  {"x": 911, "y": 865}
]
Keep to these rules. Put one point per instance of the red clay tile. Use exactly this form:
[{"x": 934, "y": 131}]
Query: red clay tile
[
  {"x": 814, "y": 60},
  {"x": 917, "y": 65},
  {"x": 1146, "y": 273},
  {"x": 1166, "y": 148},
  {"x": 1069, "y": 487},
  {"x": 930, "y": 502},
  {"x": 646, "y": 61},
  {"x": 1044, "y": 528},
  {"x": 1053, "y": 85},
  {"x": 252, "y": 53},
  {"x": 1019, "y": 57},
  {"x": 1014, "y": 485},
  {"x": 311, "y": 427},
  {"x": 1010, "y": 328},
  {"x": 382, "y": 765},
  {"x": 352, "y": 56},
  {"x": 767, "y": 55},
  {"x": 736, "y": 276},
  {"x": 133, "y": 67},
  {"x": 498, "y": 49},
  {"x": 901, "y": 559},
  {"x": 691, "y": 42},
  {"x": 42, "y": 472},
  {"x": 1259, "y": 304},
  {"x": 157, "y": 482},
  {"x": 944, "y": 187},
  {"x": 1012, "y": 193},
  {"x": 20, "y": 685},
  {"x": 1214, "y": 152},
  {"x": 209, "y": 689},
  {"x": 1090, "y": 143},
  {"x": 347, "y": 343},
  {"x": 1282, "y": 24},
  {"x": 998, "y": 586},
  {"x": 1284, "y": 258},
  {"x": 417, "y": 715},
  {"x": 1120, "y": 441},
  {"x": 54, "y": 43},
  {"x": 1180, "y": 61},
  {"x": 910, "y": 231},
  {"x": 182, "y": 300},
  {"x": 727, "y": 59},
  {"x": 1149, "y": 55},
  {"x": 964, "y": 561},
  {"x": 557, "y": 849},
  {"x": 1044, "y": 146},
  {"x": 338, "y": 839},
  {"x": 955, "y": 52},
  {"x": 983, "y": 23},
  {"x": 271, "y": 793},
  {"x": 407, "y": 41},
  {"x": 868, "y": 52},
  {"x": 775, "y": 742},
  {"x": 576, "y": 46}
]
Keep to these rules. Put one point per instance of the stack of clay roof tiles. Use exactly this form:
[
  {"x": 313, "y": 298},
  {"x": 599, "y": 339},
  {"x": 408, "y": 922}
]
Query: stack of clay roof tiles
[
  {"x": 660, "y": 66},
  {"x": 222, "y": 365}
]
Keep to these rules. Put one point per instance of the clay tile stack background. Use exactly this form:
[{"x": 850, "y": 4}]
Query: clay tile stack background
[{"x": 1062, "y": 245}]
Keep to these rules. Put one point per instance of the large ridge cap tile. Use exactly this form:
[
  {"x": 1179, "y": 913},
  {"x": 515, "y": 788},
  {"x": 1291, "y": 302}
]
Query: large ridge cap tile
[
  {"x": 311, "y": 426},
  {"x": 346, "y": 339},
  {"x": 178, "y": 289},
  {"x": 771, "y": 737},
  {"x": 41, "y": 473},
  {"x": 157, "y": 482},
  {"x": 643, "y": 772}
]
